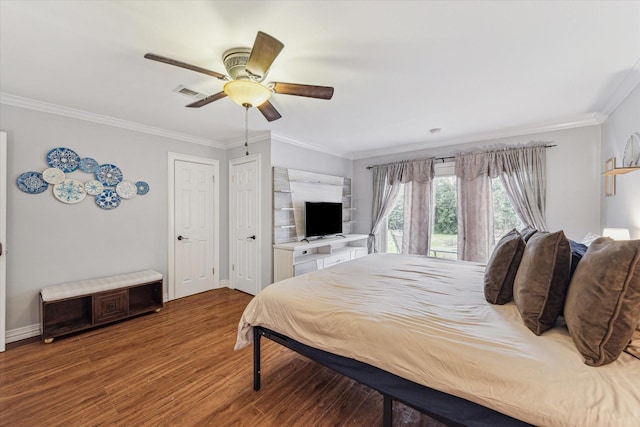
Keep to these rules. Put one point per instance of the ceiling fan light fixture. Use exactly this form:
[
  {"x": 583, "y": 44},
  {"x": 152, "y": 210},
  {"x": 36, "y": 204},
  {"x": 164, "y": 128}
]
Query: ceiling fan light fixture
[{"x": 246, "y": 92}]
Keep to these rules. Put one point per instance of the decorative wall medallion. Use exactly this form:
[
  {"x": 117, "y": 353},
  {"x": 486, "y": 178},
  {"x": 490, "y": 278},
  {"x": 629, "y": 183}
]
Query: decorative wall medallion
[
  {"x": 108, "y": 187},
  {"x": 64, "y": 159},
  {"x": 108, "y": 175},
  {"x": 88, "y": 165},
  {"x": 32, "y": 183},
  {"x": 93, "y": 187},
  {"x": 142, "y": 188},
  {"x": 53, "y": 175},
  {"x": 126, "y": 189},
  {"x": 70, "y": 191},
  {"x": 108, "y": 199}
]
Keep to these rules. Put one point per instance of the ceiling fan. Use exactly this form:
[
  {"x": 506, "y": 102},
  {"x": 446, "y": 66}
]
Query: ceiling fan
[{"x": 247, "y": 69}]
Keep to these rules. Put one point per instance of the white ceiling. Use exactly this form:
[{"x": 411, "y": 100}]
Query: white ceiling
[{"x": 474, "y": 69}]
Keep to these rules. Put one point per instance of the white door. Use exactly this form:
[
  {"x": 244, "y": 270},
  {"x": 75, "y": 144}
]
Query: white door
[
  {"x": 244, "y": 233},
  {"x": 3, "y": 237},
  {"x": 193, "y": 231}
]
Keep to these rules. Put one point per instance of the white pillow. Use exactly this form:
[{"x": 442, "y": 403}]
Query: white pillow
[{"x": 589, "y": 238}]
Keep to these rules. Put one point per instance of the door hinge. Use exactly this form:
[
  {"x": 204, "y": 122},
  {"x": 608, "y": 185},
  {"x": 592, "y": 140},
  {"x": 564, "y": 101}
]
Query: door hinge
[
  {"x": 233, "y": 179},
  {"x": 213, "y": 178},
  {"x": 213, "y": 270},
  {"x": 233, "y": 267}
]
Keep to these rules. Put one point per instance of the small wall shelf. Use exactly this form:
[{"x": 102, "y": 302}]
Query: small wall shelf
[{"x": 620, "y": 171}]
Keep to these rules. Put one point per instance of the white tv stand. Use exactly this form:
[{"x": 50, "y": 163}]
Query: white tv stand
[{"x": 296, "y": 258}]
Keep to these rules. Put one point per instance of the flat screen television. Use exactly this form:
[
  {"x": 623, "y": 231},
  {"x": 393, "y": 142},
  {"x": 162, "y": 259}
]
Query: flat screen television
[{"x": 322, "y": 218}]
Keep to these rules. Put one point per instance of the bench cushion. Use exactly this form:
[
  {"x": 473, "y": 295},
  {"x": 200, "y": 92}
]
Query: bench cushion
[{"x": 91, "y": 286}]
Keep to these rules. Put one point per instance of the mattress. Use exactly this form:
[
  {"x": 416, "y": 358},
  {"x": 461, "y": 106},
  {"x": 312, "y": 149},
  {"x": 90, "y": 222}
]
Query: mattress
[{"x": 426, "y": 320}]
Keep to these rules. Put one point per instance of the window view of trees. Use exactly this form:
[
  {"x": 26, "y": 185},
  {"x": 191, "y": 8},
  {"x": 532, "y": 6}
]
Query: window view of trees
[
  {"x": 444, "y": 239},
  {"x": 504, "y": 216},
  {"x": 395, "y": 225}
]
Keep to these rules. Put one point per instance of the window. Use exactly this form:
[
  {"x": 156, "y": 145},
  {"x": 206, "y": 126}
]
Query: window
[
  {"x": 505, "y": 217},
  {"x": 395, "y": 225},
  {"x": 444, "y": 236}
]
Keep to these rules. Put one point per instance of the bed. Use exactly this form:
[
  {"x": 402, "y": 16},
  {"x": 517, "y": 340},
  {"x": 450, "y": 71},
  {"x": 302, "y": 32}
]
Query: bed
[{"x": 425, "y": 323}]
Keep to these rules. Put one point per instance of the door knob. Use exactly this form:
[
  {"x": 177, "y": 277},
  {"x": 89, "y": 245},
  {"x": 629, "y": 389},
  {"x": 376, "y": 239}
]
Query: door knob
[
  {"x": 252, "y": 237},
  {"x": 182, "y": 238}
]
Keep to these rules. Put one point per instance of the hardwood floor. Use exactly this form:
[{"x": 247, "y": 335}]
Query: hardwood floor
[{"x": 178, "y": 368}]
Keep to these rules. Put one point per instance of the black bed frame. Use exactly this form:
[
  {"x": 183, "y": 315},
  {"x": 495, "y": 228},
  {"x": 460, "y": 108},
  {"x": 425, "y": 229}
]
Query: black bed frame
[{"x": 451, "y": 410}]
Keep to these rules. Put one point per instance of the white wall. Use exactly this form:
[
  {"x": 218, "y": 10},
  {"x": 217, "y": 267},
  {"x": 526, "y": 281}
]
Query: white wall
[
  {"x": 623, "y": 209},
  {"x": 52, "y": 242},
  {"x": 294, "y": 157},
  {"x": 573, "y": 178}
]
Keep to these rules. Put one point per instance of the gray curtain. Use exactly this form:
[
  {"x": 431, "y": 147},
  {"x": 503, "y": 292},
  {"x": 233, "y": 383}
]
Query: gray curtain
[
  {"x": 386, "y": 187},
  {"x": 522, "y": 171},
  {"x": 524, "y": 176},
  {"x": 417, "y": 175},
  {"x": 475, "y": 207},
  {"x": 418, "y": 207}
]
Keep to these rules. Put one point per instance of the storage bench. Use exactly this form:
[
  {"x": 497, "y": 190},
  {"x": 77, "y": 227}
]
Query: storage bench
[{"x": 75, "y": 306}]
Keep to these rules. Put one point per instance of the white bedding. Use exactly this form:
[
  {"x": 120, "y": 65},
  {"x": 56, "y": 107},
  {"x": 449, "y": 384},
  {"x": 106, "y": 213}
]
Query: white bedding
[{"x": 426, "y": 320}]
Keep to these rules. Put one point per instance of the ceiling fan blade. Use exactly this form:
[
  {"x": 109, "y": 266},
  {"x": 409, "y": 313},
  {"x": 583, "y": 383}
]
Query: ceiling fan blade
[
  {"x": 170, "y": 61},
  {"x": 269, "y": 111},
  {"x": 265, "y": 50},
  {"x": 322, "y": 92},
  {"x": 207, "y": 100}
]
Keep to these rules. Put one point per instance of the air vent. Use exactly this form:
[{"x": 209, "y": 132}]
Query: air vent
[{"x": 183, "y": 90}]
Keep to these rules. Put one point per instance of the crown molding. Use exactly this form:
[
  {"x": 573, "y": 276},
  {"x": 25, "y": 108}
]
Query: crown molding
[
  {"x": 310, "y": 146},
  {"x": 591, "y": 119},
  {"x": 32, "y": 104},
  {"x": 270, "y": 136},
  {"x": 628, "y": 84},
  {"x": 258, "y": 137}
]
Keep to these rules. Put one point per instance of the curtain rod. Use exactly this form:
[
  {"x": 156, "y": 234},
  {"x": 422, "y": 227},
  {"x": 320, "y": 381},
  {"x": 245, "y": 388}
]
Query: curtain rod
[{"x": 442, "y": 159}]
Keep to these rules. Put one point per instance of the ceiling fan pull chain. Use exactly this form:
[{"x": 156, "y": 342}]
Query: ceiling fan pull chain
[{"x": 246, "y": 129}]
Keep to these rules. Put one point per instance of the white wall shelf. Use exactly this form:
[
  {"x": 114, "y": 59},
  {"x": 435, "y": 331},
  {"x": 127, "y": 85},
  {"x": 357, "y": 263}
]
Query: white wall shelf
[{"x": 291, "y": 188}]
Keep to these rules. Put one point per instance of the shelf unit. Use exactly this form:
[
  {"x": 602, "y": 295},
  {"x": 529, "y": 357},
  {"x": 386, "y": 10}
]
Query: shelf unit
[
  {"x": 296, "y": 258},
  {"x": 291, "y": 187}
]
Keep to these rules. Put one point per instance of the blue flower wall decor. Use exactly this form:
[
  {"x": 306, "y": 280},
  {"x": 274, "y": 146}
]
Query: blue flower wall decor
[{"x": 107, "y": 182}]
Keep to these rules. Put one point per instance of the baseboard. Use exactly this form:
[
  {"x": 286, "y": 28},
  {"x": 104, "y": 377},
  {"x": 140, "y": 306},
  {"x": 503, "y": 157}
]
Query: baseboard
[
  {"x": 23, "y": 333},
  {"x": 225, "y": 283}
]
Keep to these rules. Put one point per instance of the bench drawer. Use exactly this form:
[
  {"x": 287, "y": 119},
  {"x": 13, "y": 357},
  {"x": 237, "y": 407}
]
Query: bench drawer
[{"x": 111, "y": 305}]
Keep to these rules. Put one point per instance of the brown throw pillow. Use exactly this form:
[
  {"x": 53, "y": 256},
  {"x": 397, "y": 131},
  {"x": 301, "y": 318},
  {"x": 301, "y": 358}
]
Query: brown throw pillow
[
  {"x": 527, "y": 232},
  {"x": 542, "y": 279},
  {"x": 603, "y": 301},
  {"x": 502, "y": 268}
]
